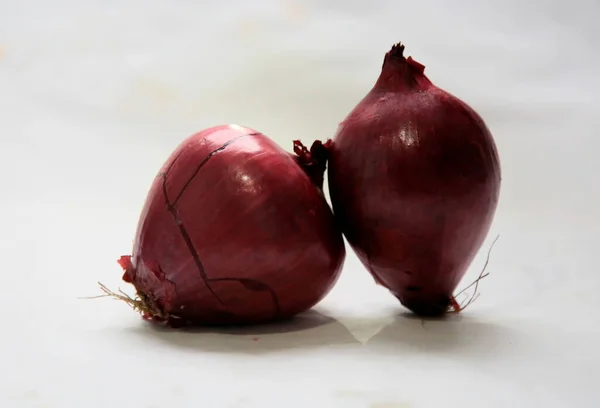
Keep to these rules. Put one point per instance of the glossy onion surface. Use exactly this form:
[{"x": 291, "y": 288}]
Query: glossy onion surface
[
  {"x": 414, "y": 179},
  {"x": 233, "y": 231}
]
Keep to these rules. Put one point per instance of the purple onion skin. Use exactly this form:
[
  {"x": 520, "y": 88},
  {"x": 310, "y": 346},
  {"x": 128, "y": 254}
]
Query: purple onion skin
[
  {"x": 233, "y": 231},
  {"x": 414, "y": 178}
]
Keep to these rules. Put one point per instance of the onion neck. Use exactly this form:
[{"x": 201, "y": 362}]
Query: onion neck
[
  {"x": 313, "y": 161},
  {"x": 400, "y": 74}
]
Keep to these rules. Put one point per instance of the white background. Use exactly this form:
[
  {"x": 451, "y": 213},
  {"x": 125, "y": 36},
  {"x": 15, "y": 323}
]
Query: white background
[{"x": 94, "y": 96}]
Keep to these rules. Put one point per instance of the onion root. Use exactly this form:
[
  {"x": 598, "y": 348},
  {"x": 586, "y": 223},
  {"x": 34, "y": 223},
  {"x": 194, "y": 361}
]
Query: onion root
[{"x": 456, "y": 307}]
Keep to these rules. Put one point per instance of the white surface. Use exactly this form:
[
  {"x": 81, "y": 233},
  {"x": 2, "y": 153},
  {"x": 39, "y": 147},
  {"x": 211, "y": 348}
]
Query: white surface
[{"x": 95, "y": 95}]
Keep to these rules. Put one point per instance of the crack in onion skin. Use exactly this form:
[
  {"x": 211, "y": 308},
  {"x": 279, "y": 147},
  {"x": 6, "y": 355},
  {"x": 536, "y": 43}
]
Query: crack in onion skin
[
  {"x": 414, "y": 179},
  {"x": 233, "y": 231}
]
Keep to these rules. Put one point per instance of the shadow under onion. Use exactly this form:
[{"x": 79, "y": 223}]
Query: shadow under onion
[
  {"x": 465, "y": 337},
  {"x": 306, "y": 330}
]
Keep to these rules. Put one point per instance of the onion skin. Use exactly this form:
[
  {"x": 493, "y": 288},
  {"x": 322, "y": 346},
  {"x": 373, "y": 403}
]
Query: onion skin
[
  {"x": 233, "y": 231},
  {"x": 414, "y": 179}
]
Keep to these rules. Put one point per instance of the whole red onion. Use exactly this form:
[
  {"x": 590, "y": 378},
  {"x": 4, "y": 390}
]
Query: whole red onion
[
  {"x": 234, "y": 230},
  {"x": 414, "y": 179}
]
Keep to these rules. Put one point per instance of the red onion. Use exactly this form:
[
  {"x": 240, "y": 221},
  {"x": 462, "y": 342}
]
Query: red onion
[
  {"x": 414, "y": 179},
  {"x": 234, "y": 230}
]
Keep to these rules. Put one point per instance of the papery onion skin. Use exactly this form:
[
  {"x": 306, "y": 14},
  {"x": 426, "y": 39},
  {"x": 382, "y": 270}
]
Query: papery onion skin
[
  {"x": 233, "y": 231},
  {"x": 414, "y": 179}
]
